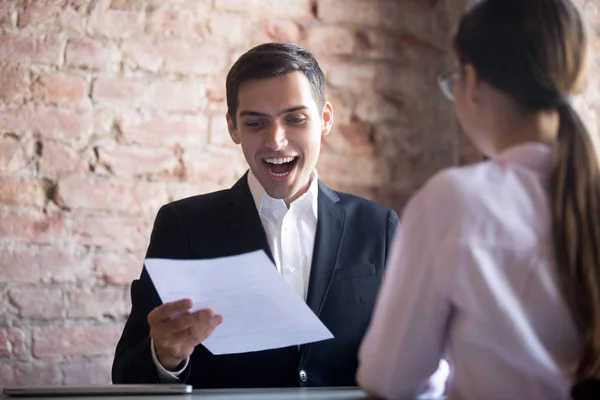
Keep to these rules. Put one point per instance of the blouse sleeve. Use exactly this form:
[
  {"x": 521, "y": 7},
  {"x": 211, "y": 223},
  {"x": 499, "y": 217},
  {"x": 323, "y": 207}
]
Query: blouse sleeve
[{"x": 406, "y": 338}]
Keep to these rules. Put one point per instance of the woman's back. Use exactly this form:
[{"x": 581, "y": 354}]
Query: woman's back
[
  {"x": 498, "y": 264},
  {"x": 511, "y": 334}
]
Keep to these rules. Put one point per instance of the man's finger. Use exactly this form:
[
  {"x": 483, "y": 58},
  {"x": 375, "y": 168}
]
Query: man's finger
[
  {"x": 199, "y": 320},
  {"x": 168, "y": 310}
]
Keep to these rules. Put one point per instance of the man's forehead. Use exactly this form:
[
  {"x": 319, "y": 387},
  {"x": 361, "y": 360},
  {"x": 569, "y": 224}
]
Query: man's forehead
[
  {"x": 275, "y": 94},
  {"x": 292, "y": 82}
]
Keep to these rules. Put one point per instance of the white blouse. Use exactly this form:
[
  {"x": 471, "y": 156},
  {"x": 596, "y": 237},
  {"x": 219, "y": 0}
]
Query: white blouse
[{"x": 472, "y": 278}]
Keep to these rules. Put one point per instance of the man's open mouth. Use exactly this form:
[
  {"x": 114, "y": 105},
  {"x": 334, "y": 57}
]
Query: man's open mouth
[{"x": 280, "y": 166}]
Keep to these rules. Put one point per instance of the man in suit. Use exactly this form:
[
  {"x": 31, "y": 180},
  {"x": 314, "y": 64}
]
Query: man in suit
[{"x": 329, "y": 247}]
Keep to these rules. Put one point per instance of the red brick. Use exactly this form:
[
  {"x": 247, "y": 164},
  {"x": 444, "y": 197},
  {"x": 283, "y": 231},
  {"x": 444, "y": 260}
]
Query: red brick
[
  {"x": 221, "y": 167},
  {"x": 92, "y": 54},
  {"x": 6, "y": 10},
  {"x": 353, "y": 138},
  {"x": 118, "y": 91},
  {"x": 30, "y": 49},
  {"x": 394, "y": 197},
  {"x": 20, "y": 191},
  {"x": 187, "y": 58},
  {"x": 354, "y": 78},
  {"x": 331, "y": 41},
  {"x": 95, "y": 371},
  {"x": 175, "y": 56},
  {"x": 58, "y": 159},
  {"x": 115, "y": 23},
  {"x": 219, "y": 134},
  {"x": 49, "y": 122},
  {"x": 232, "y": 29},
  {"x": 14, "y": 83},
  {"x": 76, "y": 340},
  {"x": 375, "y": 108},
  {"x": 79, "y": 192},
  {"x": 98, "y": 302},
  {"x": 31, "y": 226},
  {"x": 425, "y": 23},
  {"x": 61, "y": 88},
  {"x": 377, "y": 45},
  {"x": 46, "y": 16},
  {"x": 12, "y": 155},
  {"x": 134, "y": 161},
  {"x": 63, "y": 124},
  {"x": 165, "y": 131},
  {"x": 43, "y": 265},
  {"x": 104, "y": 121},
  {"x": 412, "y": 49},
  {"x": 216, "y": 94},
  {"x": 407, "y": 141},
  {"x": 408, "y": 16},
  {"x": 403, "y": 82},
  {"x": 38, "y": 302},
  {"x": 343, "y": 105},
  {"x": 274, "y": 8},
  {"x": 356, "y": 12},
  {"x": 142, "y": 54},
  {"x": 30, "y": 374},
  {"x": 6, "y": 373},
  {"x": 130, "y": 233},
  {"x": 118, "y": 269},
  {"x": 181, "y": 19},
  {"x": 129, "y": 5},
  {"x": 184, "y": 96},
  {"x": 181, "y": 190},
  {"x": 353, "y": 169},
  {"x": 278, "y": 30},
  {"x": 14, "y": 343}
]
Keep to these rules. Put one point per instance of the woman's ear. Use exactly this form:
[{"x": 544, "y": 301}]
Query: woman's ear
[{"x": 472, "y": 85}]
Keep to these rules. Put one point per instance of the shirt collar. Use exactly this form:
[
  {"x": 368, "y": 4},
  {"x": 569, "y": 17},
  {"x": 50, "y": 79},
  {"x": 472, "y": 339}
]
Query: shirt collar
[
  {"x": 533, "y": 155},
  {"x": 307, "y": 201}
]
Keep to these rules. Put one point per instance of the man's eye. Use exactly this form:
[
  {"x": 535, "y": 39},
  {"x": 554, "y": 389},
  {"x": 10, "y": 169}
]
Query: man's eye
[
  {"x": 296, "y": 121},
  {"x": 254, "y": 124}
]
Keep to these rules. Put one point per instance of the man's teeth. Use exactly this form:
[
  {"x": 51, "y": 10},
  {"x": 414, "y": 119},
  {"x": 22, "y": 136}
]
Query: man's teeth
[{"x": 279, "y": 160}]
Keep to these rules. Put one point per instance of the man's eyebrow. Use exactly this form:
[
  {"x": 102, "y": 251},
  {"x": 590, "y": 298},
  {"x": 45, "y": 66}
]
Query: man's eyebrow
[{"x": 249, "y": 113}]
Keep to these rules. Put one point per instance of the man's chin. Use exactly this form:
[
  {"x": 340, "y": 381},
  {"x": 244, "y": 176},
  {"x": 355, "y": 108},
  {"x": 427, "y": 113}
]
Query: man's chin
[{"x": 281, "y": 193}]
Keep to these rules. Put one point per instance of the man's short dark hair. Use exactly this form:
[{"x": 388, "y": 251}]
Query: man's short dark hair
[{"x": 270, "y": 60}]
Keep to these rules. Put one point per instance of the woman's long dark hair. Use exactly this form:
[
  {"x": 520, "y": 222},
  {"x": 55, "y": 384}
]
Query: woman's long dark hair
[{"x": 535, "y": 51}]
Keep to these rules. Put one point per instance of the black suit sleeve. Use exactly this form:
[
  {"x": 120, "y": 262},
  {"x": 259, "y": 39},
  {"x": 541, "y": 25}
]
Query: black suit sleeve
[
  {"x": 392, "y": 224},
  {"x": 133, "y": 359}
]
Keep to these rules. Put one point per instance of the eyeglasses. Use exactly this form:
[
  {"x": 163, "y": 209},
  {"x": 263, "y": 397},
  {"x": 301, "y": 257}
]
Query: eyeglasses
[{"x": 447, "y": 83}]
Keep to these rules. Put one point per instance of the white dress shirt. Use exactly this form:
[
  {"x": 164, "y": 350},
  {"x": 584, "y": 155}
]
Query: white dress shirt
[
  {"x": 472, "y": 276},
  {"x": 291, "y": 236}
]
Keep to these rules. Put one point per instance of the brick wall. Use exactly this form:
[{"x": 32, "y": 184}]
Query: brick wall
[{"x": 109, "y": 109}]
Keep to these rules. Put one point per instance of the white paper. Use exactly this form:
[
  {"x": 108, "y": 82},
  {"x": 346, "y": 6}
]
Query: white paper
[{"x": 260, "y": 310}]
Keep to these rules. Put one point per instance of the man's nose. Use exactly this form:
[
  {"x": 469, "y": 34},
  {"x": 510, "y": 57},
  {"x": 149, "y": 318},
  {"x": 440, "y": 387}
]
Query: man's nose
[{"x": 276, "y": 138}]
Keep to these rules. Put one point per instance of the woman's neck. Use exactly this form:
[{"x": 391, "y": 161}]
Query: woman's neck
[{"x": 519, "y": 128}]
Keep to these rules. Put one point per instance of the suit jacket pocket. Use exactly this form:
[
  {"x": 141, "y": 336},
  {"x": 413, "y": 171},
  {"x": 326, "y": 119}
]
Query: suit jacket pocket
[{"x": 356, "y": 271}]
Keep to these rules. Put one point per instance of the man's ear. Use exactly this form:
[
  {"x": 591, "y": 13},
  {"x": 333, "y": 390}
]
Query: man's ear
[
  {"x": 327, "y": 118},
  {"x": 231, "y": 127}
]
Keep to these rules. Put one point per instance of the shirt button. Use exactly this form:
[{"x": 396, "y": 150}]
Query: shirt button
[{"x": 303, "y": 375}]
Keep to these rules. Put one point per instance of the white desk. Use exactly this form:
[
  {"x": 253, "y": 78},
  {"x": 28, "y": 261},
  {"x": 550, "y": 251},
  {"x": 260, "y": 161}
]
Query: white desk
[{"x": 236, "y": 394}]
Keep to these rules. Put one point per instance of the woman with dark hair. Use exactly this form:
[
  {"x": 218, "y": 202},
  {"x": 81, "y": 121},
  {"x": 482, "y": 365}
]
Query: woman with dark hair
[{"x": 497, "y": 265}]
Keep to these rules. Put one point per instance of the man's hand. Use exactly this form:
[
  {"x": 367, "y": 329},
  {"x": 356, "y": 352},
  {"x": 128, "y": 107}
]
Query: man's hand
[{"x": 176, "y": 332}]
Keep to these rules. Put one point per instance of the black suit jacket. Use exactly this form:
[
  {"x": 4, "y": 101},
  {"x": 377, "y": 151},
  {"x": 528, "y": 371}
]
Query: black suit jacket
[{"x": 351, "y": 246}]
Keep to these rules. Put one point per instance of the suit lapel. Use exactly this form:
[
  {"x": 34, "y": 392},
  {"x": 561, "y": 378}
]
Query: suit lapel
[
  {"x": 244, "y": 221},
  {"x": 330, "y": 226}
]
